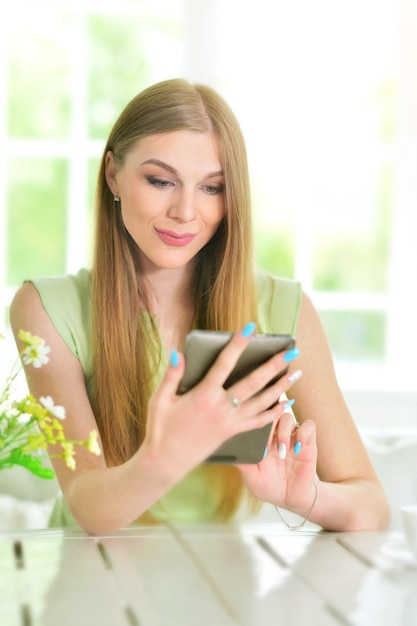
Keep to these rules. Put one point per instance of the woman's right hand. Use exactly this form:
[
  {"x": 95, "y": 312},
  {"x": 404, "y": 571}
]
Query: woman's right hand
[{"x": 183, "y": 430}]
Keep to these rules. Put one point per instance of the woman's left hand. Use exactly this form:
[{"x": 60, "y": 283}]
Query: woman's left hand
[{"x": 286, "y": 475}]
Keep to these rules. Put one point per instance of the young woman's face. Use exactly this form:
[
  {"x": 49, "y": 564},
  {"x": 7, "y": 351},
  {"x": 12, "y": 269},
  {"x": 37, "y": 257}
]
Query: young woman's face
[{"x": 171, "y": 195}]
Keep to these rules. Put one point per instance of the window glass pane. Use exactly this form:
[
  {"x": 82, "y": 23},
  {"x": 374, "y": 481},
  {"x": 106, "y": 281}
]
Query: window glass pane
[
  {"x": 274, "y": 251},
  {"x": 5, "y": 322},
  {"x": 39, "y": 77},
  {"x": 93, "y": 166},
  {"x": 125, "y": 51},
  {"x": 321, "y": 143},
  {"x": 351, "y": 251},
  {"x": 36, "y": 237},
  {"x": 355, "y": 336}
]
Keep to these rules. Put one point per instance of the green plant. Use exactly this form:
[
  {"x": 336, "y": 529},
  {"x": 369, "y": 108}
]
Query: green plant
[{"x": 28, "y": 426}]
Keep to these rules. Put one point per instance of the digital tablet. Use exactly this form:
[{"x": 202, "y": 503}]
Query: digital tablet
[{"x": 201, "y": 349}]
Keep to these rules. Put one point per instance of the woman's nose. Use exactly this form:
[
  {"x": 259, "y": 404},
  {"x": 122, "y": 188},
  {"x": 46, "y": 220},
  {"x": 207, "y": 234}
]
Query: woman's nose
[{"x": 183, "y": 206}]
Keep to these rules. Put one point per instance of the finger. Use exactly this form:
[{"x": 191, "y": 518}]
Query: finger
[
  {"x": 173, "y": 375},
  {"x": 289, "y": 411},
  {"x": 286, "y": 429},
  {"x": 305, "y": 434},
  {"x": 229, "y": 356},
  {"x": 271, "y": 378},
  {"x": 268, "y": 397},
  {"x": 303, "y": 437},
  {"x": 253, "y": 420}
]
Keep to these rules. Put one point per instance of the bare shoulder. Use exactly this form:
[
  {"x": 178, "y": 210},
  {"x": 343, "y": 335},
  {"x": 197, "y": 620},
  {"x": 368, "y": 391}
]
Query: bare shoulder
[
  {"x": 28, "y": 313},
  {"x": 311, "y": 336},
  {"x": 25, "y": 307}
]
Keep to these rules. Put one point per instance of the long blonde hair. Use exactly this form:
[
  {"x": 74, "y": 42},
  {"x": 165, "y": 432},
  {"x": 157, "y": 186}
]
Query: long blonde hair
[{"x": 124, "y": 355}]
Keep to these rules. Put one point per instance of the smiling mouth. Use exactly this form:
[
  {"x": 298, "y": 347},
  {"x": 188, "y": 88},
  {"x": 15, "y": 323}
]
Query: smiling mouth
[{"x": 171, "y": 238}]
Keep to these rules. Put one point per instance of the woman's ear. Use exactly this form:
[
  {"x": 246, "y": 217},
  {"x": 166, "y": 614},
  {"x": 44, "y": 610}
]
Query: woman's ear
[{"x": 110, "y": 169}]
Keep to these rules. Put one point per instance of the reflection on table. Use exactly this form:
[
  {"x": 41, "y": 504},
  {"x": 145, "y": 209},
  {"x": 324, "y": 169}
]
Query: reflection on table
[{"x": 207, "y": 576}]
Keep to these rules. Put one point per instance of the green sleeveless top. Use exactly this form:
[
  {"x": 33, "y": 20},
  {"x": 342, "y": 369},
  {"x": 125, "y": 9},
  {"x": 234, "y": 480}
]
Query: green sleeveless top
[{"x": 67, "y": 300}]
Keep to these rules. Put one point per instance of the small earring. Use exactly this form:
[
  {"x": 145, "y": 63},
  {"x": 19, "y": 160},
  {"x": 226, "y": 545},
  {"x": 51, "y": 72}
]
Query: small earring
[{"x": 116, "y": 198}]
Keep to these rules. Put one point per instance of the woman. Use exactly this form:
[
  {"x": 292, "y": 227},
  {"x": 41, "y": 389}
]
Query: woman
[{"x": 173, "y": 252}]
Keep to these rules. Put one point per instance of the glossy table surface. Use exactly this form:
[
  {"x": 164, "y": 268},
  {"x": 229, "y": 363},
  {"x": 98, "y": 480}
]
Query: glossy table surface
[{"x": 206, "y": 576}]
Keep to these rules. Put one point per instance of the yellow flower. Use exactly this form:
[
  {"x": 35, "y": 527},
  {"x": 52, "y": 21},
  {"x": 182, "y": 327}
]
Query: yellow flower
[
  {"x": 34, "y": 442},
  {"x": 30, "y": 406},
  {"x": 68, "y": 454},
  {"x": 28, "y": 427},
  {"x": 92, "y": 444},
  {"x": 30, "y": 340},
  {"x": 70, "y": 461}
]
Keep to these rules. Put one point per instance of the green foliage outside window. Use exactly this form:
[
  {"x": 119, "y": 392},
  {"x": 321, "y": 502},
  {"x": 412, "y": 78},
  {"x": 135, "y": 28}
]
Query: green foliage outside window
[
  {"x": 117, "y": 71},
  {"x": 36, "y": 239},
  {"x": 39, "y": 85},
  {"x": 120, "y": 64},
  {"x": 274, "y": 251},
  {"x": 357, "y": 260},
  {"x": 355, "y": 335}
]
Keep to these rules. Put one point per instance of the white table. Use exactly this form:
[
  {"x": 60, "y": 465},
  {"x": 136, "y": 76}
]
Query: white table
[{"x": 257, "y": 575}]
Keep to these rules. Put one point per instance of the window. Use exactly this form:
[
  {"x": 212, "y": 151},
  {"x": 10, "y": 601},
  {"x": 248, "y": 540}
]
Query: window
[{"x": 326, "y": 94}]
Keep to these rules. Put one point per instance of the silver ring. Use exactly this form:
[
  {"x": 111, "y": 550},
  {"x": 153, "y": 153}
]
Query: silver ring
[
  {"x": 234, "y": 402},
  {"x": 296, "y": 427}
]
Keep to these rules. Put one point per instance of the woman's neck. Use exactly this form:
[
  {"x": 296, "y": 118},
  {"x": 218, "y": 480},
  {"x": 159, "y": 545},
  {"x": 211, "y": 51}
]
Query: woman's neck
[{"x": 171, "y": 299}]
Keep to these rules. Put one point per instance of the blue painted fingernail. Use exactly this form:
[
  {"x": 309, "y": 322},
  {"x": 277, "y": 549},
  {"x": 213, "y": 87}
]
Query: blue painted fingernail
[
  {"x": 174, "y": 359},
  {"x": 297, "y": 447},
  {"x": 266, "y": 452},
  {"x": 248, "y": 329},
  {"x": 291, "y": 355},
  {"x": 288, "y": 404}
]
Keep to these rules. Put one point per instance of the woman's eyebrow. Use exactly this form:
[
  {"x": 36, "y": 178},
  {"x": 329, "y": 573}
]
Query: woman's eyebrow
[
  {"x": 171, "y": 169},
  {"x": 165, "y": 166},
  {"x": 214, "y": 174}
]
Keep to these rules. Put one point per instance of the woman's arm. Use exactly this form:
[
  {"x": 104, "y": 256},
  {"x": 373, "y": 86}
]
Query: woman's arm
[
  {"x": 182, "y": 430},
  {"x": 100, "y": 498},
  {"x": 350, "y": 496}
]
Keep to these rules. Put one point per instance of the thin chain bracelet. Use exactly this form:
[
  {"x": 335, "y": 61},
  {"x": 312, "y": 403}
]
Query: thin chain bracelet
[{"x": 298, "y": 526}]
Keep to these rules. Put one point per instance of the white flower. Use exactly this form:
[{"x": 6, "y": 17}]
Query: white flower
[
  {"x": 55, "y": 410},
  {"x": 36, "y": 354}
]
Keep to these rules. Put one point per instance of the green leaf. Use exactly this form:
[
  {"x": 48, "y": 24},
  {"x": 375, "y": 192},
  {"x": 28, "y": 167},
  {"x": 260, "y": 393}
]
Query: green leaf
[{"x": 33, "y": 464}]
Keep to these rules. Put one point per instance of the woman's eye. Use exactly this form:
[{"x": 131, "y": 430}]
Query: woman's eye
[
  {"x": 213, "y": 189},
  {"x": 158, "y": 182}
]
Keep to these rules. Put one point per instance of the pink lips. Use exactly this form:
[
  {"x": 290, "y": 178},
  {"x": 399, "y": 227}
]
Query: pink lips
[{"x": 172, "y": 238}]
